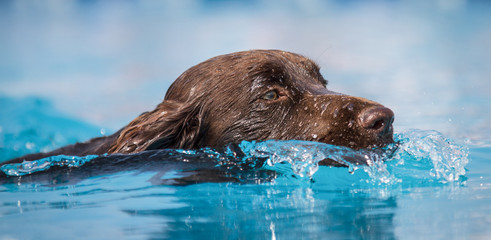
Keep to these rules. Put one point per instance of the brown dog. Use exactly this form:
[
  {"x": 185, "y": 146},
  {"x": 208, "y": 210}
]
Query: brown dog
[{"x": 250, "y": 95}]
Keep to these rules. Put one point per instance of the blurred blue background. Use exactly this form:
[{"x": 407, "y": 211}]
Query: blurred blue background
[{"x": 105, "y": 62}]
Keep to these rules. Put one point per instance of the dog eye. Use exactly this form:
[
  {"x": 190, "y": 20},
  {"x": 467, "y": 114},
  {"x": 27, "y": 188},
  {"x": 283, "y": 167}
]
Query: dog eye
[{"x": 271, "y": 95}]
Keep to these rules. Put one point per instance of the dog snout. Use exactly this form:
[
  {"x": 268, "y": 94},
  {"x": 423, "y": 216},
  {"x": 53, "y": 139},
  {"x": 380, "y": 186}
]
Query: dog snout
[{"x": 377, "y": 120}]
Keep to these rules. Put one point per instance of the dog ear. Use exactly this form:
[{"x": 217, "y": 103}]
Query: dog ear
[{"x": 170, "y": 125}]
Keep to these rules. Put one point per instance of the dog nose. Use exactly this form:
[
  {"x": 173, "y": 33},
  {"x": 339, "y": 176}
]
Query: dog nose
[{"x": 377, "y": 120}]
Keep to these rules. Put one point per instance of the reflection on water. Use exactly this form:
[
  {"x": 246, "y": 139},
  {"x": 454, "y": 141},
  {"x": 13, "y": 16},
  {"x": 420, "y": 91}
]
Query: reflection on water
[
  {"x": 198, "y": 211},
  {"x": 263, "y": 212},
  {"x": 264, "y": 193}
]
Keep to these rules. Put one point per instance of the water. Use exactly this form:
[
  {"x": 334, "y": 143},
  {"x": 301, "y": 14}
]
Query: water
[
  {"x": 272, "y": 189},
  {"x": 72, "y": 70},
  {"x": 298, "y": 196},
  {"x": 437, "y": 159}
]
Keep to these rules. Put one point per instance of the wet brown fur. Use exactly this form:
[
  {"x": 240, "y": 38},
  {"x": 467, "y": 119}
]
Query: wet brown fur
[{"x": 222, "y": 101}]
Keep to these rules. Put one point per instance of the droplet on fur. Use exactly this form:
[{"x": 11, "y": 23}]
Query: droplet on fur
[
  {"x": 349, "y": 106},
  {"x": 351, "y": 123},
  {"x": 324, "y": 106},
  {"x": 335, "y": 113}
]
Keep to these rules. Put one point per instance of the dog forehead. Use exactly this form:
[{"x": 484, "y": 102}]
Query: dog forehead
[
  {"x": 283, "y": 68},
  {"x": 240, "y": 69}
]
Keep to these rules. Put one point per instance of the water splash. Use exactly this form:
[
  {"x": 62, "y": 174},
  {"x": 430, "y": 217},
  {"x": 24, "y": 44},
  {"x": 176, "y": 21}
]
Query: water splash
[
  {"x": 417, "y": 157},
  {"x": 429, "y": 155},
  {"x": 28, "y": 167},
  {"x": 303, "y": 156}
]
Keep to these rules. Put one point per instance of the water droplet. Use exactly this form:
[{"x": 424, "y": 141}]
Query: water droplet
[
  {"x": 348, "y": 106},
  {"x": 324, "y": 107},
  {"x": 30, "y": 145}
]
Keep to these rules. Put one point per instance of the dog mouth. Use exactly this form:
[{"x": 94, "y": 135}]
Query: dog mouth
[
  {"x": 362, "y": 146},
  {"x": 333, "y": 163},
  {"x": 359, "y": 142},
  {"x": 351, "y": 160},
  {"x": 365, "y": 156}
]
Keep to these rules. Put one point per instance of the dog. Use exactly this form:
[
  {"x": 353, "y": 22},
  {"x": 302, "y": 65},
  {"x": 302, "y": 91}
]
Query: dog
[{"x": 251, "y": 95}]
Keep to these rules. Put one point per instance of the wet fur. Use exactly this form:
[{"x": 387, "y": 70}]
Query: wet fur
[{"x": 221, "y": 101}]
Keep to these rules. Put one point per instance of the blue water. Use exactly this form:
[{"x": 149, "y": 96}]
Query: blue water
[
  {"x": 80, "y": 69},
  {"x": 426, "y": 184}
]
